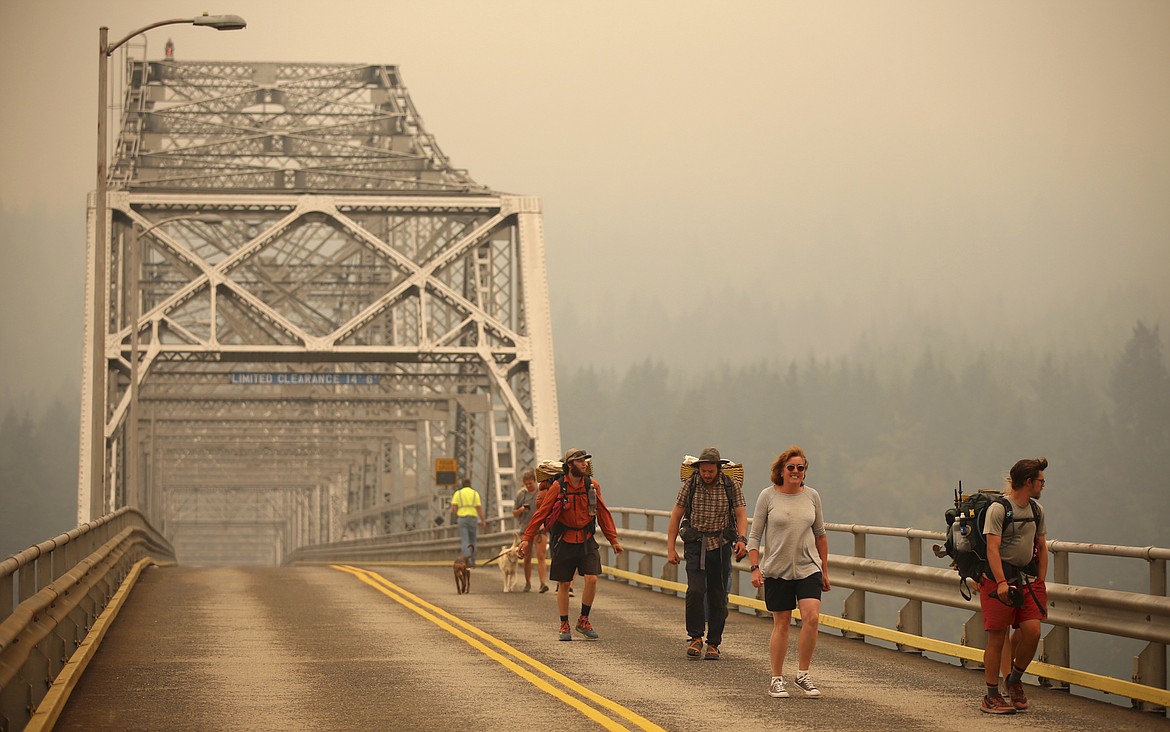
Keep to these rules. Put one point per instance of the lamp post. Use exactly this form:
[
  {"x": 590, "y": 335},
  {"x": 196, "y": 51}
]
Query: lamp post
[
  {"x": 134, "y": 495},
  {"x": 99, "y": 320}
]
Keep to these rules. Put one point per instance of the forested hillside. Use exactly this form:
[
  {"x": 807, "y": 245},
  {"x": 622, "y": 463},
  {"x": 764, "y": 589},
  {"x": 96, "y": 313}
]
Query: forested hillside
[
  {"x": 887, "y": 445},
  {"x": 887, "y": 442}
]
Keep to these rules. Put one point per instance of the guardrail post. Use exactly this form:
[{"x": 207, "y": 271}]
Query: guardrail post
[
  {"x": 670, "y": 573},
  {"x": 648, "y": 560},
  {"x": 855, "y": 603},
  {"x": 910, "y": 616},
  {"x": 646, "y": 567},
  {"x": 1150, "y": 664},
  {"x": 1054, "y": 647},
  {"x": 974, "y": 636},
  {"x": 1053, "y": 650},
  {"x": 26, "y": 582},
  {"x": 7, "y": 603},
  {"x": 623, "y": 559}
]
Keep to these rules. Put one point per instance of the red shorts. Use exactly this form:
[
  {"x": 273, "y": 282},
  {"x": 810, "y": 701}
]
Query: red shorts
[{"x": 1000, "y": 616}]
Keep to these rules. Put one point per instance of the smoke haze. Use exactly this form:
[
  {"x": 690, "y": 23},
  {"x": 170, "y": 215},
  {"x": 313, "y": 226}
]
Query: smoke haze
[{"x": 794, "y": 181}]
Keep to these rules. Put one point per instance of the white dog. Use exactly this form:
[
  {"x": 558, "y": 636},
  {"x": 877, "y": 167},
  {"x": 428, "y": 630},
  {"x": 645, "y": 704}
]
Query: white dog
[{"x": 510, "y": 561}]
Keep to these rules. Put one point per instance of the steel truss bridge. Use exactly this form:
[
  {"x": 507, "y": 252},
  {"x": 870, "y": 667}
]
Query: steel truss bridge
[{"x": 308, "y": 305}]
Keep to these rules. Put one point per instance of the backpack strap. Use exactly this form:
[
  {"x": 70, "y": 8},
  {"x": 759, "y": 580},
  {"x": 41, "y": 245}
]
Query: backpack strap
[
  {"x": 591, "y": 496},
  {"x": 691, "y": 485}
]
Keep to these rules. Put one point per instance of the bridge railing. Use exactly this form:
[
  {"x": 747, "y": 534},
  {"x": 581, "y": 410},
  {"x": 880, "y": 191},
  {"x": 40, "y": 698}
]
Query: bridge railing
[
  {"x": 51, "y": 595},
  {"x": 1141, "y": 616}
]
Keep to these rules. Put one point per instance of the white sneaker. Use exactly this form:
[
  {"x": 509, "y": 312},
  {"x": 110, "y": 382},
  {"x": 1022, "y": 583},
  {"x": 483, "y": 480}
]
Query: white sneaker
[
  {"x": 776, "y": 688},
  {"x": 806, "y": 684}
]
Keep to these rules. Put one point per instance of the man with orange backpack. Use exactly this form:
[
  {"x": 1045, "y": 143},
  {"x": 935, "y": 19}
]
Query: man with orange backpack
[{"x": 571, "y": 512}]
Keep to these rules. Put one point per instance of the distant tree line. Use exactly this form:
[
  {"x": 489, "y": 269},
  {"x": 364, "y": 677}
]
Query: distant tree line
[
  {"x": 888, "y": 443},
  {"x": 888, "y": 439},
  {"x": 38, "y": 474}
]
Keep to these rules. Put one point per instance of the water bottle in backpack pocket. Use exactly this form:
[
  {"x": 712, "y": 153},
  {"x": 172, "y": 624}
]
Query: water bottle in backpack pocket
[{"x": 961, "y": 534}]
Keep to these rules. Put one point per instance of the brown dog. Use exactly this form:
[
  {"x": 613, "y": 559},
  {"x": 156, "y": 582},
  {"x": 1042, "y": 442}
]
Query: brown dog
[{"x": 462, "y": 575}]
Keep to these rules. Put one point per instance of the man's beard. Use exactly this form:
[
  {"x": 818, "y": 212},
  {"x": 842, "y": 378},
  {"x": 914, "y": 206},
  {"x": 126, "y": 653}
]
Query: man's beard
[{"x": 576, "y": 472}]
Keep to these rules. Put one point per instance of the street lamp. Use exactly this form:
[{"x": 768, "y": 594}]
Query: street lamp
[
  {"x": 134, "y": 495},
  {"x": 99, "y": 318}
]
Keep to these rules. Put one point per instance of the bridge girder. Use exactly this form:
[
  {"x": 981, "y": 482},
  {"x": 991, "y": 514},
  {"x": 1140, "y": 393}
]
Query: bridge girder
[{"x": 307, "y": 298}]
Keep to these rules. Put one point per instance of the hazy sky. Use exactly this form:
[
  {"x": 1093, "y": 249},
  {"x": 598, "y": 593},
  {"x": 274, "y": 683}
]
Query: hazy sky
[{"x": 827, "y": 155}]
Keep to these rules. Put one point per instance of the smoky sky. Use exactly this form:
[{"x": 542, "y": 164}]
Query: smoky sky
[{"x": 729, "y": 162}]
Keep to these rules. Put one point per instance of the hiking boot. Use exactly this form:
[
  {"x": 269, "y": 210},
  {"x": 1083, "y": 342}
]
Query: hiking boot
[
  {"x": 566, "y": 633},
  {"x": 1016, "y": 692},
  {"x": 996, "y": 704},
  {"x": 776, "y": 688},
  {"x": 712, "y": 653},
  {"x": 695, "y": 647},
  {"x": 585, "y": 628},
  {"x": 805, "y": 682},
  {"x": 544, "y": 588}
]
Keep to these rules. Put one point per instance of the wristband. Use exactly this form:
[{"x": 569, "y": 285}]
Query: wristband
[
  {"x": 755, "y": 567},
  {"x": 741, "y": 539}
]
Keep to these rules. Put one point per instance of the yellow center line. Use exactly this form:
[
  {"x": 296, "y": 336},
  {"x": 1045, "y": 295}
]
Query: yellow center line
[{"x": 437, "y": 615}]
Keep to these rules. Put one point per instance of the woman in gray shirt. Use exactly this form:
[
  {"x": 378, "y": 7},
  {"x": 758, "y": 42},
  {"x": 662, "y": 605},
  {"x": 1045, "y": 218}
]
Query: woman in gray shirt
[{"x": 795, "y": 567}]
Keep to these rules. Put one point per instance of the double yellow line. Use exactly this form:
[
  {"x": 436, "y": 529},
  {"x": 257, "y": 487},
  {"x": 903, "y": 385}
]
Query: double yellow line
[{"x": 539, "y": 676}]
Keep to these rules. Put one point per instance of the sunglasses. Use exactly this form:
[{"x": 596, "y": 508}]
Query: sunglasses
[{"x": 795, "y": 468}]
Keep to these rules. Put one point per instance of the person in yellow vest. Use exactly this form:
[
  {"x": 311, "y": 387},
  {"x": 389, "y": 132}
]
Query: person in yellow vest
[{"x": 467, "y": 509}]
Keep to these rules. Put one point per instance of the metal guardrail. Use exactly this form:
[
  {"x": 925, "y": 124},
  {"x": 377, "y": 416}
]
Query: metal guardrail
[
  {"x": 1144, "y": 617},
  {"x": 52, "y": 593}
]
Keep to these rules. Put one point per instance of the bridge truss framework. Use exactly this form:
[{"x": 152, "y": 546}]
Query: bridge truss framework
[{"x": 308, "y": 305}]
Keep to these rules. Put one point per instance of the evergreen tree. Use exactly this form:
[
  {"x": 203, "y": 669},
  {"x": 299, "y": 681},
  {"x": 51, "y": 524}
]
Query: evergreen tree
[{"x": 1140, "y": 391}]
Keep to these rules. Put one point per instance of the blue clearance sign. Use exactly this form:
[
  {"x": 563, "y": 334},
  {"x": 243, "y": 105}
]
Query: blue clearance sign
[{"x": 252, "y": 378}]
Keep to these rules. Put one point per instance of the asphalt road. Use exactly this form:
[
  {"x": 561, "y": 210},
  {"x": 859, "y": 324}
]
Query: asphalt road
[{"x": 323, "y": 649}]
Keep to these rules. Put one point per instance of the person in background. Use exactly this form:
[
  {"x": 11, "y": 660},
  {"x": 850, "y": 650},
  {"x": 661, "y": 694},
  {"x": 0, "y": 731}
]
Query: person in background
[
  {"x": 524, "y": 508},
  {"x": 790, "y": 521},
  {"x": 467, "y": 508}
]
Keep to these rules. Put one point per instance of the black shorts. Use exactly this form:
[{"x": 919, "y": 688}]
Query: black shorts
[
  {"x": 781, "y": 595},
  {"x": 569, "y": 559}
]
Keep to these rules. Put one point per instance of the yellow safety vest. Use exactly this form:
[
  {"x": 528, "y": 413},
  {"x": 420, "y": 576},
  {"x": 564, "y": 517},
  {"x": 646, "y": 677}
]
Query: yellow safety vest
[{"x": 466, "y": 499}]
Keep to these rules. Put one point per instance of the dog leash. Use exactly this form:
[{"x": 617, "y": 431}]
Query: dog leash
[{"x": 496, "y": 557}]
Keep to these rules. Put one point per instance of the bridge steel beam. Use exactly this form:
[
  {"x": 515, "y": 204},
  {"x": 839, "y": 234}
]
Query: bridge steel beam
[{"x": 295, "y": 269}]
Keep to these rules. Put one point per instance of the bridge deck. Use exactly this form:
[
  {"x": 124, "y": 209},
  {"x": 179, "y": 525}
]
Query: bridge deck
[{"x": 318, "y": 648}]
